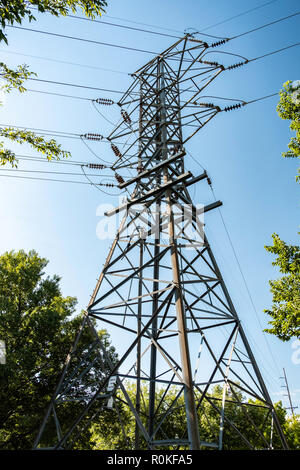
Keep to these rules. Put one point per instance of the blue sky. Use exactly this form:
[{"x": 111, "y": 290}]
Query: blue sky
[{"x": 241, "y": 150}]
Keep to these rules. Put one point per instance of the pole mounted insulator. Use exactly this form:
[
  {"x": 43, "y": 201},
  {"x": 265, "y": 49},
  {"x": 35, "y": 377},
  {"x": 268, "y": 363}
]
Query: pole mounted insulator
[
  {"x": 212, "y": 64},
  {"x": 107, "y": 185},
  {"x": 96, "y": 166},
  {"x": 219, "y": 43},
  {"x": 198, "y": 41},
  {"x": 119, "y": 178},
  {"x": 209, "y": 63},
  {"x": 234, "y": 106},
  {"x": 204, "y": 105},
  {"x": 104, "y": 101},
  {"x": 92, "y": 136},
  {"x": 125, "y": 116},
  {"x": 116, "y": 150},
  {"x": 239, "y": 64}
]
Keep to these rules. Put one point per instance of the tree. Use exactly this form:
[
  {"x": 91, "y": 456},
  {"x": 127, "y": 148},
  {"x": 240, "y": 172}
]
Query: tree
[
  {"x": 285, "y": 310},
  {"x": 15, "y": 11},
  {"x": 289, "y": 108},
  {"x": 120, "y": 434},
  {"x": 38, "y": 327},
  {"x": 292, "y": 432}
]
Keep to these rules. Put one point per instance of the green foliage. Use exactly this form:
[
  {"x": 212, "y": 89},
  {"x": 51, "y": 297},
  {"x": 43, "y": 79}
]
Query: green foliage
[
  {"x": 15, "y": 11},
  {"x": 38, "y": 326},
  {"x": 14, "y": 78},
  {"x": 289, "y": 108},
  {"x": 49, "y": 148},
  {"x": 113, "y": 436},
  {"x": 292, "y": 432},
  {"x": 285, "y": 310}
]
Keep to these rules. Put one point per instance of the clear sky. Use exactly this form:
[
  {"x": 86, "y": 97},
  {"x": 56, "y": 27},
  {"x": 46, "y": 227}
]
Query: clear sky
[{"x": 241, "y": 150}]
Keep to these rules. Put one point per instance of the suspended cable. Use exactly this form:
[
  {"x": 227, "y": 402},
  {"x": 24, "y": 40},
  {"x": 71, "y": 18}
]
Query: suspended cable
[
  {"x": 274, "y": 52},
  {"x": 51, "y": 179},
  {"x": 243, "y": 276},
  {"x": 58, "y": 94},
  {"x": 94, "y": 67},
  {"x": 97, "y": 186},
  {"x": 144, "y": 24},
  {"x": 72, "y": 134},
  {"x": 123, "y": 26},
  {"x": 52, "y": 161},
  {"x": 54, "y": 172},
  {"x": 240, "y": 64},
  {"x": 75, "y": 85},
  {"x": 79, "y": 136},
  {"x": 76, "y": 38},
  {"x": 238, "y": 15},
  {"x": 116, "y": 25},
  {"x": 102, "y": 115},
  {"x": 94, "y": 153},
  {"x": 265, "y": 25},
  {"x": 219, "y": 43},
  {"x": 138, "y": 29},
  {"x": 262, "y": 98}
]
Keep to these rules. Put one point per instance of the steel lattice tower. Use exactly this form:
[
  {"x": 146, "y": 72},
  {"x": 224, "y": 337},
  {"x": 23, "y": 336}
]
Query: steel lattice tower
[{"x": 161, "y": 290}]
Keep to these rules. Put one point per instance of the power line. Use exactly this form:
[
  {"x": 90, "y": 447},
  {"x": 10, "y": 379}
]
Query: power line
[
  {"x": 247, "y": 61},
  {"x": 78, "y": 136},
  {"x": 52, "y": 161},
  {"x": 143, "y": 50},
  {"x": 118, "y": 25},
  {"x": 56, "y": 172},
  {"x": 262, "y": 98},
  {"x": 59, "y": 134},
  {"x": 51, "y": 179},
  {"x": 274, "y": 52},
  {"x": 75, "y": 85},
  {"x": 76, "y": 38},
  {"x": 58, "y": 94},
  {"x": 123, "y": 26},
  {"x": 95, "y": 67},
  {"x": 244, "y": 278},
  {"x": 144, "y": 24},
  {"x": 122, "y": 92},
  {"x": 72, "y": 85},
  {"x": 265, "y": 25},
  {"x": 238, "y": 15},
  {"x": 72, "y": 134},
  {"x": 137, "y": 29}
]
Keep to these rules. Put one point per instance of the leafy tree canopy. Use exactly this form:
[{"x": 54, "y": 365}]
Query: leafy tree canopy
[
  {"x": 120, "y": 434},
  {"x": 15, "y": 11},
  {"x": 285, "y": 311},
  {"x": 289, "y": 108},
  {"x": 38, "y": 326}
]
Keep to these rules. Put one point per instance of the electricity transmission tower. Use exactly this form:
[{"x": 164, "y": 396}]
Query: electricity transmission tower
[
  {"x": 288, "y": 394},
  {"x": 161, "y": 294}
]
